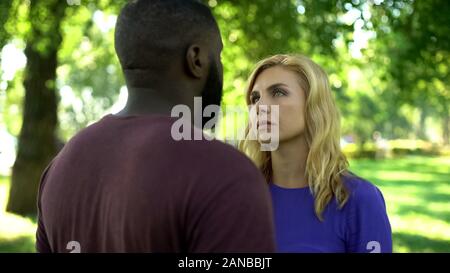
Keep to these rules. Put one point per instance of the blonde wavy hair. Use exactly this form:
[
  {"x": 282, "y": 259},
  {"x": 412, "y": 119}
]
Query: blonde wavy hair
[{"x": 325, "y": 163}]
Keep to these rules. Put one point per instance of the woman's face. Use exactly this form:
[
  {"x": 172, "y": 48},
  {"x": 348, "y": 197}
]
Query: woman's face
[{"x": 278, "y": 86}]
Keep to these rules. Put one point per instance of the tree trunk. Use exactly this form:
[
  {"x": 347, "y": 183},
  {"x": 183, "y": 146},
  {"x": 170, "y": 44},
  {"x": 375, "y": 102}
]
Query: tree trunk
[
  {"x": 421, "y": 132},
  {"x": 446, "y": 129},
  {"x": 37, "y": 139}
]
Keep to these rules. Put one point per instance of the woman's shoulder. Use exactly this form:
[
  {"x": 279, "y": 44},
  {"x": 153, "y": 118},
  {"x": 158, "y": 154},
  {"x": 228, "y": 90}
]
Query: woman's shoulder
[
  {"x": 363, "y": 192},
  {"x": 367, "y": 223}
]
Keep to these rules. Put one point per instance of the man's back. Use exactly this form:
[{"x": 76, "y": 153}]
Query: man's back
[{"x": 124, "y": 185}]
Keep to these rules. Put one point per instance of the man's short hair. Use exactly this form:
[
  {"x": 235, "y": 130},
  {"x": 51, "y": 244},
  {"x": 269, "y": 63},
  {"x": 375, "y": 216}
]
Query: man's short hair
[{"x": 151, "y": 33}]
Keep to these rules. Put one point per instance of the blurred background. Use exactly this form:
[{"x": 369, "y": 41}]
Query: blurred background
[{"x": 388, "y": 62}]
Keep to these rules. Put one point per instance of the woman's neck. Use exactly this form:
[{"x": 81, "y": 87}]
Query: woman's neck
[{"x": 289, "y": 163}]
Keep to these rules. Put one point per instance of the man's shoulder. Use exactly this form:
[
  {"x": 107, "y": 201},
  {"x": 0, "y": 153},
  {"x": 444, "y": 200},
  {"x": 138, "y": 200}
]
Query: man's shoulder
[
  {"x": 213, "y": 152},
  {"x": 111, "y": 126},
  {"x": 152, "y": 137}
]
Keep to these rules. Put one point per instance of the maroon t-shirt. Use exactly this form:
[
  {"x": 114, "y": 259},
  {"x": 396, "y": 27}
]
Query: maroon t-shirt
[{"x": 124, "y": 185}]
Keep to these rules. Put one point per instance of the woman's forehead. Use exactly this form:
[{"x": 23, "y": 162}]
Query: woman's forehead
[{"x": 275, "y": 75}]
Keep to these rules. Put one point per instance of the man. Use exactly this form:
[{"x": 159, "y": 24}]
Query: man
[{"x": 125, "y": 185}]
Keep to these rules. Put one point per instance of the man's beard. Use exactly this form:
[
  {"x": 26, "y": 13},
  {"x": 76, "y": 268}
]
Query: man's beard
[{"x": 212, "y": 91}]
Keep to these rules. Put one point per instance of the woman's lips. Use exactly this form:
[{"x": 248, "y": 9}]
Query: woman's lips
[{"x": 264, "y": 124}]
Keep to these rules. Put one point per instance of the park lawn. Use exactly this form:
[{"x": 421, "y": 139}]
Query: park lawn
[
  {"x": 17, "y": 234},
  {"x": 416, "y": 190},
  {"x": 417, "y": 194}
]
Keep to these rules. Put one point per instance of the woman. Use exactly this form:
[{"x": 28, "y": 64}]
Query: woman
[{"x": 319, "y": 206}]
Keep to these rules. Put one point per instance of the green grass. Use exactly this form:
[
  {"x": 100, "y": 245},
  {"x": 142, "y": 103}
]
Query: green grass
[
  {"x": 417, "y": 194},
  {"x": 416, "y": 190},
  {"x": 17, "y": 234}
]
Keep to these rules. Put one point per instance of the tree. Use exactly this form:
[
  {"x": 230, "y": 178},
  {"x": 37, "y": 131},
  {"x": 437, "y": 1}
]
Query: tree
[
  {"x": 412, "y": 38},
  {"x": 5, "y": 7},
  {"x": 71, "y": 57},
  {"x": 37, "y": 139}
]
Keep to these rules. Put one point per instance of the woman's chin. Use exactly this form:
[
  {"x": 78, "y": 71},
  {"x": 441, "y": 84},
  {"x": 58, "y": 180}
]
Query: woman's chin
[{"x": 268, "y": 138}]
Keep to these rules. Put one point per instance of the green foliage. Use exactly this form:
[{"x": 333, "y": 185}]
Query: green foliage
[
  {"x": 403, "y": 68},
  {"x": 394, "y": 149},
  {"x": 413, "y": 39},
  {"x": 5, "y": 7},
  {"x": 89, "y": 69},
  {"x": 398, "y": 84}
]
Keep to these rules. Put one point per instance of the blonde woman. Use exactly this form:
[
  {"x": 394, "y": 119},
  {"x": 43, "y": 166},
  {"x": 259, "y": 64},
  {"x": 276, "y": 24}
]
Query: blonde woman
[{"x": 319, "y": 206}]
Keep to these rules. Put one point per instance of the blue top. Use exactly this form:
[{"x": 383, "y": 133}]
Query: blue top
[{"x": 362, "y": 225}]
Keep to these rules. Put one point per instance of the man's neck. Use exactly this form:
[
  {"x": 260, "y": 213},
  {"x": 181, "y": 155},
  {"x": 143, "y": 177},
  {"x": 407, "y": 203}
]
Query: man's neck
[{"x": 148, "y": 101}]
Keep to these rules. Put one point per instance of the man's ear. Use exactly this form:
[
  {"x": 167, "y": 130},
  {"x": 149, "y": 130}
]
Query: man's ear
[{"x": 196, "y": 61}]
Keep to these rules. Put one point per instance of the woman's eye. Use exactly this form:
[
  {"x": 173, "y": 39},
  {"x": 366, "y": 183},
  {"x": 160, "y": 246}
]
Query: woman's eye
[
  {"x": 254, "y": 98},
  {"x": 278, "y": 93}
]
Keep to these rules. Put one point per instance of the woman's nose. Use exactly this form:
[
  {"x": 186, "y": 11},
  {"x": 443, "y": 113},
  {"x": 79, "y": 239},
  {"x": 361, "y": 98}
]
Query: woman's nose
[{"x": 262, "y": 107}]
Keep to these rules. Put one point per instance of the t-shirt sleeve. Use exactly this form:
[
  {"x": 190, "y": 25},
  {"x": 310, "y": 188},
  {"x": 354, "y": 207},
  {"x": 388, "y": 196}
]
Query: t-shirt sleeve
[
  {"x": 42, "y": 243},
  {"x": 369, "y": 230},
  {"x": 232, "y": 213}
]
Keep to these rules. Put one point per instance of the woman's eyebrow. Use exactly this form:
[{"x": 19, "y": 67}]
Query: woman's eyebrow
[{"x": 275, "y": 85}]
